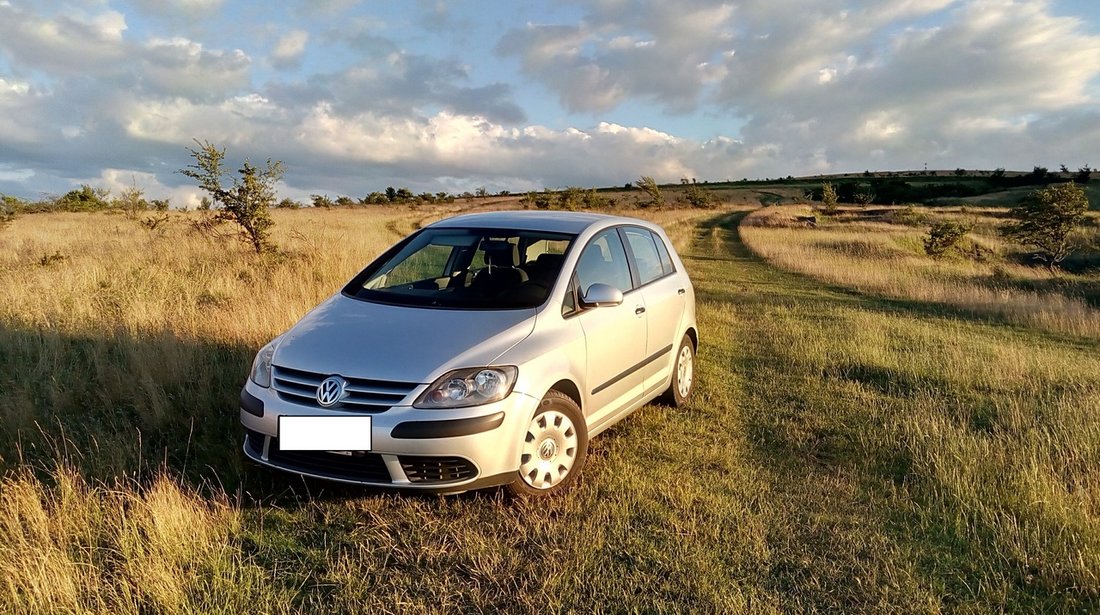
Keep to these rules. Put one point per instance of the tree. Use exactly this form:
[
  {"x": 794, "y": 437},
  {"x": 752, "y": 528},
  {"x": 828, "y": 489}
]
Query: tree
[
  {"x": 1083, "y": 175},
  {"x": 1046, "y": 220},
  {"x": 828, "y": 198},
  {"x": 650, "y": 187},
  {"x": 246, "y": 202}
]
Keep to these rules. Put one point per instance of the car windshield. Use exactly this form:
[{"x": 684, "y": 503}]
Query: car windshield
[{"x": 466, "y": 269}]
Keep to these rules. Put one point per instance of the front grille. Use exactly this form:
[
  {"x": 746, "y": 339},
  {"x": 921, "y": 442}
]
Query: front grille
[
  {"x": 359, "y": 466},
  {"x": 368, "y": 396},
  {"x": 437, "y": 469}
]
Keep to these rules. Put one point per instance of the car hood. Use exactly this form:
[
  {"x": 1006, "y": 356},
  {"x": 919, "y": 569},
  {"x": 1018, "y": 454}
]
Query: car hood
[{"x": 360, "y": 339}]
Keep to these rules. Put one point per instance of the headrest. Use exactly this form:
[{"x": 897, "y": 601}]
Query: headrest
[
  {"x": 500, "y": 253},
  {"x": 547, "y": 259}
]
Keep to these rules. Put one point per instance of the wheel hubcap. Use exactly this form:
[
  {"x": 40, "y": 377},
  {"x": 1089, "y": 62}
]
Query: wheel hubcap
[
  {"x": 549, "y": 450},
  {"x": 685, "y": 371}
]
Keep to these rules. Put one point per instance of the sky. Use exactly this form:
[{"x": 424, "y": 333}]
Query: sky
[{"x": 432, "y": 95}]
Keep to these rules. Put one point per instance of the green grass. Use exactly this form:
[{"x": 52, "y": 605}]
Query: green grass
[{"x": 843, "y": 453}]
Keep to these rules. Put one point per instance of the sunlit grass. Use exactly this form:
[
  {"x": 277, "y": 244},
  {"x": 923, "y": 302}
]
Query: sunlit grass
[
  {"x": 844, "y": 453},
  {"x": 888, "y": 259}
]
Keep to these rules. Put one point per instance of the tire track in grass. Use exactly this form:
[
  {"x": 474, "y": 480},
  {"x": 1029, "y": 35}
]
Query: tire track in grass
[
  {"x": 853, "y": 525},
  {"x": 826, "y": 548}
]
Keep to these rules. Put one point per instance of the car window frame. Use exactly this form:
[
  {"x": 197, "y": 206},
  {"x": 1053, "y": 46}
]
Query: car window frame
[
  {"x": 635, "y": 278},
  {"x": 631, "y": 259},
  {"x": 626, "y": 253}
]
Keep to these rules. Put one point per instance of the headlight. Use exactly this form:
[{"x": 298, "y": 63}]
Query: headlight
[
  {"x": 261, "y": 366},
  {"x": 469, "y": 387}
]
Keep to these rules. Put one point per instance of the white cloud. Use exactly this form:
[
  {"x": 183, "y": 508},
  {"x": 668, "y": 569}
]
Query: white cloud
[
  {"x": 181, "y": 67},
  {"x": 289, "y": 49},
  {"x": 794, "y": 87},
  {"x": 171, "y": 9},
  {"x": 69, "y": 44},
  {"x": 831, "y": 80}
]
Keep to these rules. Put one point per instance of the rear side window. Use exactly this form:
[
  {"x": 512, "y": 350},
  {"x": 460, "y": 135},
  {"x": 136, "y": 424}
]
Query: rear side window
[
  {"x": 646, "y": 257},
  {"x": 662, "y": 251},
  {"x": 604, "y": 261}
]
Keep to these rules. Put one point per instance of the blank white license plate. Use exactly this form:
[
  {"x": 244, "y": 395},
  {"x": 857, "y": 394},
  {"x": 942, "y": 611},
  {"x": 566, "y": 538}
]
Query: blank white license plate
[{"x": 324, "y": 433}]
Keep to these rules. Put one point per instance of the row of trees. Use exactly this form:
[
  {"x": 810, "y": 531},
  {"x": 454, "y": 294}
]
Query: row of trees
[{"x": 86, "y": 198}]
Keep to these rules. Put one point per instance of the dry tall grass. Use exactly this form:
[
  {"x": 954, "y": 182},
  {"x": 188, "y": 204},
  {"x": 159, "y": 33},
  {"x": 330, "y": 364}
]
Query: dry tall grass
[
  {"x": 841, "y": 455},
  {"x": 121, "y": 348},
  {"x": 888, "y": 259},
  {"x": 75, "y": 547}
]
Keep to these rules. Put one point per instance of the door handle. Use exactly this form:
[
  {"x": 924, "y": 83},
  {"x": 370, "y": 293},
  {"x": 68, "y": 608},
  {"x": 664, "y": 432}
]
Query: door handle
[
  {"x": 682, "y": 291},
  {"x": 639, "y": 310}
]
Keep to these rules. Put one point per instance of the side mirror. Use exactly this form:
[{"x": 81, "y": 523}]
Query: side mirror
[{"x": 601, "y": 295}]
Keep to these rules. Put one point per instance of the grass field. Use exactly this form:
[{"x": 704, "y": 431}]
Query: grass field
[{"x": 847, "y": 451}]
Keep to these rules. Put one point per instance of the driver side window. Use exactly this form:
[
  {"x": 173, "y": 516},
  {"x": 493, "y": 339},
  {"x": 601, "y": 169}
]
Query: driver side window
[{"x": 604, "y": 261}]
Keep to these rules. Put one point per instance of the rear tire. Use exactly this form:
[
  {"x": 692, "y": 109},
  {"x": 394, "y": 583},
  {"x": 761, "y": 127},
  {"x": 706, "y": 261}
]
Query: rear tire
[
  {"x": 554, "y": 448},
  {"x": 683, "y": 374}
]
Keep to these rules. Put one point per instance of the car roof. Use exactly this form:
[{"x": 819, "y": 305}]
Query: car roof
[{"x": 552, "y": 221}]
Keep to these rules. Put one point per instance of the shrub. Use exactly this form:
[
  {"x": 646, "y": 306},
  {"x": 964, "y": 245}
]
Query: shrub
[
  {"x": 570, "y": 198},
  {"x": 1046, "y": 220},
  {"x": 84, "y": 198},
  {"x": 8, "y": 206},
  {"x": 864, "y": 197},
  {"x": 828, "y": 199},
  {"x": 697, "y": 197},
  {"x": 132, "y": 201},
  {"x": 943, "y": 236},
  {"x": 908, "y": 216},
  {"x": 247, "y": 201},
  {"x": 652, "y": 190},
  {"x": 595, "y": 200}
]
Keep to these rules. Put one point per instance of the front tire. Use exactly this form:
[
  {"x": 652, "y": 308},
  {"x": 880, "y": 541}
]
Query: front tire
[
  {"x": 683, "y": 374},
  {"x": 554, "y": 448}
]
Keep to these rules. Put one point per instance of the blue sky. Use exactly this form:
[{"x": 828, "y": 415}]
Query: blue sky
[{"x": 355, "y": 96}]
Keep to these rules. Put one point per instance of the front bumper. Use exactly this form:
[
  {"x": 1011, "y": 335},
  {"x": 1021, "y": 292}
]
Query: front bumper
[{"x": 437, "y": 451}]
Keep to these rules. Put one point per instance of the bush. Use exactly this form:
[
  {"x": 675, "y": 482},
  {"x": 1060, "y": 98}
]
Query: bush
[
  {"x": 541, "y": 200},
  {"x": 1046, "y": 220},
  {"x": 697, "y": 197},
  {"x": 908, "y": 216},
  {"x": 9, "y": 206},
  {"x": 943, "y": 236},
  {"x": 650, "y": 187},
  {"x": 132, "y": 201},
  {"x": 828, "y": 199},
  {"x": 247, "y": 201},
  {"x": 84, "y": 198},
  {"x": 570, "y": 198}
]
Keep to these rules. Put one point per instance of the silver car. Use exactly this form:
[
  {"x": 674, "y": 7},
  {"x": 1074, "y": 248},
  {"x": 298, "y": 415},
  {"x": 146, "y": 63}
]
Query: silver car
[{"x": 482, "y": 350}]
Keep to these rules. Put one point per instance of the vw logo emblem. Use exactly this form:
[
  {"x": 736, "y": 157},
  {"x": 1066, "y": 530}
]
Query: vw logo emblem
[{"x": 331, "y": 391}]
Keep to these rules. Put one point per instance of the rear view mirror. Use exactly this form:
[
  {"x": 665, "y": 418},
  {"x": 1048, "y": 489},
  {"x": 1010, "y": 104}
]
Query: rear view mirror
[{"x": 601, "y": 295}]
